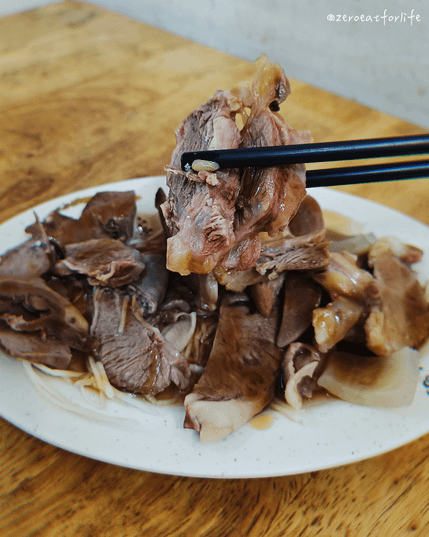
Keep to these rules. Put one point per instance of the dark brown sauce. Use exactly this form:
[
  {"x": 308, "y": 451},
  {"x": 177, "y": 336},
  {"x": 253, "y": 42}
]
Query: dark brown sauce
[
  {"x": 77, "y": 201},
  {"x": 172, "y": 395}
]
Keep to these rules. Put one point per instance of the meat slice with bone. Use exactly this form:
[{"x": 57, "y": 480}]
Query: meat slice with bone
[
  {"x": 388, "y": 303},
  {"x": 240, "y": 375},
  {"x": 400, "y": 315},
  {"x": 351, "y": 291},
  {"x": 215, "y": 217}
]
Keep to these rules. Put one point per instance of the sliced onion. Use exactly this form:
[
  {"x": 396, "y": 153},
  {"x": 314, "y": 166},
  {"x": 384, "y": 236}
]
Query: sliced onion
[
  {"x": 180, "y": 333},
  {"x": 372, "y": 381},
  {"x": 355, "y": 244},
  {"x": 60, "y": 401}
]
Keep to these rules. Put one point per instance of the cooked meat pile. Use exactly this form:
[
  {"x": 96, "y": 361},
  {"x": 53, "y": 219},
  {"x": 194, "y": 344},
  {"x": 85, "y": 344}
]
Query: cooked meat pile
[{"x": 237, "y": 298}]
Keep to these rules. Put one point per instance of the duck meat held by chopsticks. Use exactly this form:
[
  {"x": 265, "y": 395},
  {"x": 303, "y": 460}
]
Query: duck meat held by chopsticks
[{"x": 215, "y": 217}]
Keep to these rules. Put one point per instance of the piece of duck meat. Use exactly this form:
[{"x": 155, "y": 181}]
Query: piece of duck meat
[
  {"x": 30, "y": 259},
  {"x": 278, "y": 255},
  {"x": 303, "y": 247},
  {"x": 29, "y": 346},
  {"x": 150, "y": 288},
  {"x": 302, "y": 365},
  {"x": 266, "y": 293},
  {"x": 106, "y": 215},
  {"x": 36, "y": 296},
  {"x": 270, "y": 196},
  {"x": 301, "y": 296},
  {"x": 105, "y": 261},
  {"x": 293, "y": 253},
  {"x": 199, "y": 210},
  {"x": 333, "y": 322},
  {"x": 352, "y": 291},
  {"x": 114, "y": 213},
  {"x": 237, "y": 280},
  {"x": 49, "y": 325},
  {"x": 392, "y": 246},
  {"x": 400, "y": 316},
  {"x": 240, "y": 375},
  {"x": 308, "y": 219},
  {"x": 40, "y": 324},
  {"x": 216, "y": 216},
  {"x": 135, "y": 355},
  {"x": 343, "y": 276}
]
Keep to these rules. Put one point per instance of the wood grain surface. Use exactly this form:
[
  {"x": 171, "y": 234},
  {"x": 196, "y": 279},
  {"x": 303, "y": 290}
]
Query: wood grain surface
[{"x": 88, "y": 97}]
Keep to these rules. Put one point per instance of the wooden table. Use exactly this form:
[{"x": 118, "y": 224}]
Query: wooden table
[{"x": 88, "y": 97}]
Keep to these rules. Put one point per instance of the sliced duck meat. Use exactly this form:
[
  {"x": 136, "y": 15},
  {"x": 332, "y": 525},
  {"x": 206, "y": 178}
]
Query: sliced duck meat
[
  {"x": 302, "y": 365},
  {"x": 49, "y": 325},
  {"x": 217, "y": 216},
  {"x": 107, "y": 214},
  {"x": 240, "y": 375},
  {"x": 29, "y": 346},
  {"x": 30, "y": 259},
  {"x": 238, "y": 280},
  {"x": 308, "y": 219},
  {"x": 265, "y": 294},
  {"x": 343, "y": 276},
  {"x": 389, "y": 303},
  {"x": 333, "y": 322},
  {"x": 113, "y": 212},
  {"x": 301, "y": 296},
  {"x": 303, "y": 247},
  {"x": 400, "y": 316},
  {"x": 293, "y": 253},
  {"x": 391, "y": 246},
  {"x": 199, "y": 210},
  {"x": 268, "y": 197},
  {"x": 36, "y": 296},
  {"x": 135, "y": 355},
  {"x": 352, "y": 291},
  {"x": 105, "y": 261}
]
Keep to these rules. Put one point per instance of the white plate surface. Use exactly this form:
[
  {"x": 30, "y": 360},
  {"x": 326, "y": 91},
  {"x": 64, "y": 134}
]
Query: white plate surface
[{"x": 333, "y": 433}]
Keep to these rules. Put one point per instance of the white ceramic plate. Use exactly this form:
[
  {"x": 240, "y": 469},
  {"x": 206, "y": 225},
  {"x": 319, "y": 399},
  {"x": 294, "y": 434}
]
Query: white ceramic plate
[{"x": 333, "y": 432}]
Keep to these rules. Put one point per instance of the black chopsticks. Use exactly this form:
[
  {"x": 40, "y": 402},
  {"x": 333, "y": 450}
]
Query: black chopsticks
[
  {"x": 367, "y": 174},
  {"x": 325, "y": 152}
]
